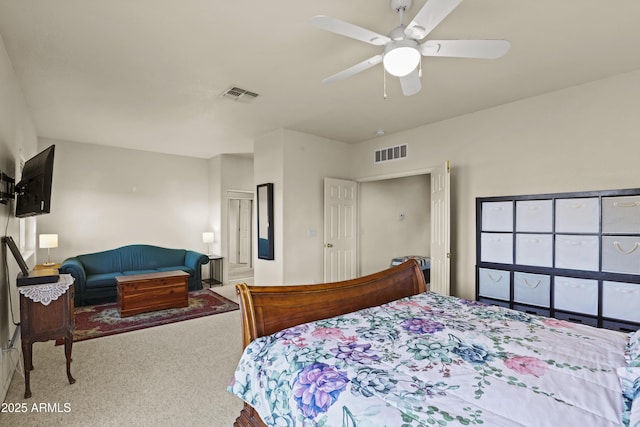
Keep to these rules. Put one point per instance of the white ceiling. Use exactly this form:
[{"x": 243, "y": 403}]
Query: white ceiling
[{"x": 148, "y": 74}]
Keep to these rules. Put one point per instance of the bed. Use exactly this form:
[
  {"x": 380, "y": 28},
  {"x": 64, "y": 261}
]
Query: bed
[{"x": 380, "y": 351}]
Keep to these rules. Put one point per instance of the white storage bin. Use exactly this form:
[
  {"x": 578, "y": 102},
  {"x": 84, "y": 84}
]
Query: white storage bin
[
  {"x": 497, "y": 247},
  {"x": 534, "y": 249},
  {"x": 534, "y": 289},
  {"x": 577, "y": 295},
  {"x": 621, "y": 254},
  {"x": 577, "y": 252},
  {"x": 497, "y": 216},
  {"x": 621, "y": 301},
  {"x": 580, "y": 215},
  {"x": 534, "y": 215},
  {"x": 621, "y": 214},
  {"x": 494, "y": 283}
]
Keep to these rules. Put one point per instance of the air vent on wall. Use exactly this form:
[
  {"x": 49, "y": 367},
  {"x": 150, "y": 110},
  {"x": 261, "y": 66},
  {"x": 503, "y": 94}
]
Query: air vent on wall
[
  {"x": 390, "y": 153},
  {"x": 240, "y": 95}
]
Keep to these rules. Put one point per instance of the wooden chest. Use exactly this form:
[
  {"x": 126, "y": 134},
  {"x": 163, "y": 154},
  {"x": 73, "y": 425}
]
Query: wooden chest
[{"x": 152, "y": 291}]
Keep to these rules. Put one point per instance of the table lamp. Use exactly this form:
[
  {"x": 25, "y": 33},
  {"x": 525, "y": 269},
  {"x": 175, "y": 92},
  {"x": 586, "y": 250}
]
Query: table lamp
[
  {"x": 48, "y": 241},
  {"x": 207, "y": 237}
]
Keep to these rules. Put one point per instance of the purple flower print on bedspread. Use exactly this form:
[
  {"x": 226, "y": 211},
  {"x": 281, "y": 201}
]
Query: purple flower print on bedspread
[
  {"x": 422, "y": 326},
  {"x": 317, "y": 387},
  {"x": 354, "y": 352}
]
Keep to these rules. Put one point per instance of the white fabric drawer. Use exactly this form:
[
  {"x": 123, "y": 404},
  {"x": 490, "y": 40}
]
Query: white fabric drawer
[
  {"x": 577, "y": 252},
  {"x": 621, "y": 214},
  {"x": 497, "y": 216},
  {"x": 532, "y": 289},
  {"x": 621, "y": 254},
  {"x": 497, "y": 247},
  {"x": 494, "y": 283},
  {"x": 534, "y": 249},
  {"x": 578, "y": 215},
  {"x": 621, "y": 301},
  {"x": 577, "y": 295},
  {"x": 534, "y": 215}
]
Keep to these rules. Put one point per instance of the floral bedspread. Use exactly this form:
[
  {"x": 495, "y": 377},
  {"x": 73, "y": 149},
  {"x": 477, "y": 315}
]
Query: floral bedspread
[{"x": 435, "y": 360}]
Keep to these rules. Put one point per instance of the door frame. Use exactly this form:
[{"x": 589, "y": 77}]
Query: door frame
[
  {"x": 414, "y": 172},
  {"x": 382, "y": 177},
  {"x": 239, "y": 195}
]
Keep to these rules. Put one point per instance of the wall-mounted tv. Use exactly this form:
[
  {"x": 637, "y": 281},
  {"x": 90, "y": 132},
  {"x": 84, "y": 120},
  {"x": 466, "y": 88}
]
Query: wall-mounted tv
[{"x": 33, "y": 192}]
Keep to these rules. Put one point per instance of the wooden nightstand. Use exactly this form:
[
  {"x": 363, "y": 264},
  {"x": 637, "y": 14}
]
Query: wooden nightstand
[{"x": 39, "y": 322}]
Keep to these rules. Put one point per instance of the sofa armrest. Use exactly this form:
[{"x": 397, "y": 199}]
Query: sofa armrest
[
  {"x": 74, "y": 267},
  {"x": 195, "y": 260}
]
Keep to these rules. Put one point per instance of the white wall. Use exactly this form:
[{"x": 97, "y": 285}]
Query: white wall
[
  {"x": 214, "y": 222},
  {"x": 308, "y": 159},
  {"x": 17, "y": 140},
  {"x": 268, "y": 166},
  {"x": 106, "y": 197},
  {"x": 296, "y": 163},
  {"x": 384, "y": 234},
  {"x": 578, "y": 139}
]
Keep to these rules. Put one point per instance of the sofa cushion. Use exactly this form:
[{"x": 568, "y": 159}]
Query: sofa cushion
[
  {"x": 102, "y": 280},
  {"x": 146, "y": 257},
  {"x": 101, "y": 262},
  {"x": 178, "y": 268}
]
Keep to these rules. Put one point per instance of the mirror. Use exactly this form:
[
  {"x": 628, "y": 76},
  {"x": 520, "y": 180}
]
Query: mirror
[{"x": 265, "y": 221}]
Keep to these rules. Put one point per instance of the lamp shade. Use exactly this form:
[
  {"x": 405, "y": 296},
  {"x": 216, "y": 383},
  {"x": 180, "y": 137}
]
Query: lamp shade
[
  {"x": 48, "y": 241},
  {"x": 401, "y": 57},
  {"x": 207, "y": 237}
]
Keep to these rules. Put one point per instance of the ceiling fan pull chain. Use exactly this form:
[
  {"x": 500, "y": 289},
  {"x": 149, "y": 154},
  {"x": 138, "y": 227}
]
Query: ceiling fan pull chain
[{"x": 420, "y": 69}]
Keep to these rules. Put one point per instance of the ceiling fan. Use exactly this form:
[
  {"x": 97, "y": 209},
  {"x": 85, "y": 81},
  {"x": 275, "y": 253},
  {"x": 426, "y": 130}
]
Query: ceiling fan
[{"x": 402, "y": 52}]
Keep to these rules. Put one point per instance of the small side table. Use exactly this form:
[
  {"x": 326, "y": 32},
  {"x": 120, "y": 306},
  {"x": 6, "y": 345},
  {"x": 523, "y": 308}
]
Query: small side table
[
  {"x": 217, "y": 279},
  {"x": 55, "y": 266},
  {"x": 46, "y": 313}
]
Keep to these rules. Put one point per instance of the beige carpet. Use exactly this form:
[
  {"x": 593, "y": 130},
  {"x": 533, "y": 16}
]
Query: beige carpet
[{"x": 170, "y": 375}]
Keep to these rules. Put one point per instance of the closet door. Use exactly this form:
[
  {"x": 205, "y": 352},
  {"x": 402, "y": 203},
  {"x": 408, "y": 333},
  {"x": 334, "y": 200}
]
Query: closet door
[{"x": 440, "y": 230}]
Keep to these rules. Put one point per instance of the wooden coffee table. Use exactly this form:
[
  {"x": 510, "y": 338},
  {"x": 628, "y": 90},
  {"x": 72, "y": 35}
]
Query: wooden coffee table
[{"x": 140, "y": 293}]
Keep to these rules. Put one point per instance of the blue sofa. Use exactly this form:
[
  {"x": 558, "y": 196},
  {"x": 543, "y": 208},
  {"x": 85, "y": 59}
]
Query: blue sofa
[{"x": 95, "y": 273}]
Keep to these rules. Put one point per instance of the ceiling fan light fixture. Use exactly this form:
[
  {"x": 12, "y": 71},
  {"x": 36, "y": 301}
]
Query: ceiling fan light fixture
[{"x": 401, "y": 57}]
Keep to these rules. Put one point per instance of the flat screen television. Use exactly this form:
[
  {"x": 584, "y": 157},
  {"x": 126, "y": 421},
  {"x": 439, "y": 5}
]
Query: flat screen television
[{"x": 33, "y": 192}]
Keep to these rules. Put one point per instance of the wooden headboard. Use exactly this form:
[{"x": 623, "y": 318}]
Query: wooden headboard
[{"x": 269, "y": 309}]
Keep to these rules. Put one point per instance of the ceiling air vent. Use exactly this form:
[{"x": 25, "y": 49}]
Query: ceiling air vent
[
  {"x": 390, "y": 153},
  {"x": 241, "y": 95}
]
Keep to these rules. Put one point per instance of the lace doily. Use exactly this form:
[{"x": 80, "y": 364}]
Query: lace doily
[{"x": 47, "y": 292}]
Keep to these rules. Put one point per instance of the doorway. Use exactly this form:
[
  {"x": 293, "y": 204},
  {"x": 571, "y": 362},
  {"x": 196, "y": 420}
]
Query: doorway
[
  {"x": 239, "y": 256},
  {"x": 395, "y": 219},
  {"x": 439, "y": 229}
]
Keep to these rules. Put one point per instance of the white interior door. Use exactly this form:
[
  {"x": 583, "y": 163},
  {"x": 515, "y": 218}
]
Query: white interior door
[
  {"x": 340, "y": 222},
  {"x": 244, "y": 244},
  {"x": 234, "y": 209},
  {"x": 440, "y": 230},
  {"x": 239, "y": 228}
]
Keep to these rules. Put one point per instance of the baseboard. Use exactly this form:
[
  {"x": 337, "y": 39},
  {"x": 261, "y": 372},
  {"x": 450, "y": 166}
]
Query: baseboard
[{"x": 9, "y": 358}]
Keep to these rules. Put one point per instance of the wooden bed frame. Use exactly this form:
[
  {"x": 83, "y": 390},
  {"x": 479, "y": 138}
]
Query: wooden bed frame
[{"x": 269, "y": 309}]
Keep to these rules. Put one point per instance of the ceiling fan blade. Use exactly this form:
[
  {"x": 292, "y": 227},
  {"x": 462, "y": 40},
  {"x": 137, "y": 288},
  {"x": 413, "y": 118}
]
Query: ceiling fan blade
[
  {"x": 364, "y": 65},
  {"x": 484, "y": 49},
  {"x": 431, "y": 14},
  {"x": 411, "y": 83},
  {"x": 349, "y": 30}
]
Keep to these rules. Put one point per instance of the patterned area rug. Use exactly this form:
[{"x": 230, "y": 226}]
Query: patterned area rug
[{"x": 101, "y": 320}]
